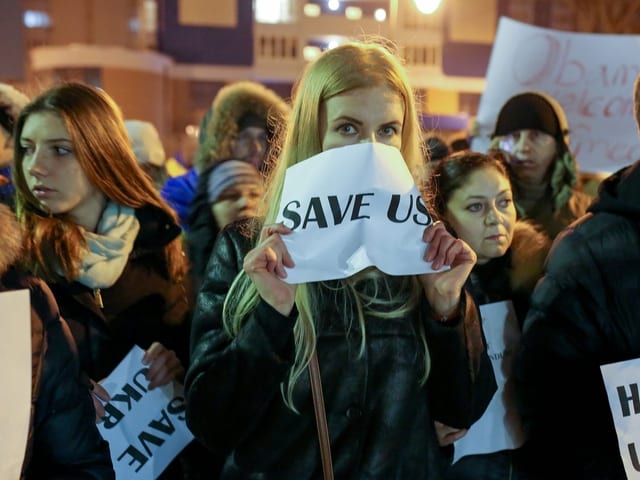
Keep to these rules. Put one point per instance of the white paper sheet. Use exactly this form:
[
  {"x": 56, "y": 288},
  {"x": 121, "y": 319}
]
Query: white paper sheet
[
  {"x": 350, "y": 208},
  {"x": 500, "y": 427},
  {"x": 622, "y": 381},
  {"x": 145, "y": 429},
  {"x": 15, "y": 378}
]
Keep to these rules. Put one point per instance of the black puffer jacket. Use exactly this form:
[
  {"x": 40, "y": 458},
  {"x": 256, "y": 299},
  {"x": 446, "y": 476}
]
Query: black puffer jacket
[
  {"x": 380, "y": 419},
  {"x": 143, "y": 305},
  {"x": 63, "y": 442},
  {"x": 584, "y": 314}
]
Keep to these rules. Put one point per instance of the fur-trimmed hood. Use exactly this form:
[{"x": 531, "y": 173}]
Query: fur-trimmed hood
[
  {"x": 529, "y": 249},
  {"x": 231, "y": 103},
  {"x": 11, "y": 239}
]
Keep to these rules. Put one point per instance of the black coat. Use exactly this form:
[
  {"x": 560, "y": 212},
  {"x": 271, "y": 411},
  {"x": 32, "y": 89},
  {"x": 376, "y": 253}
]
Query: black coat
[
  {"x": 143, "y": 305},
  {"x": 584, "y": 314},
  {"x": 380, "y": 419},
  {"x": 64, "y": 442}
]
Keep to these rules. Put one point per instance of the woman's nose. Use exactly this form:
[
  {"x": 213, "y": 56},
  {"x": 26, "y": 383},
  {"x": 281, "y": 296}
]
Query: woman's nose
[
  {"x": 37, "y": 163},
  {"x": 491, "y": 218},
  {"x": 368, "y": 138}
]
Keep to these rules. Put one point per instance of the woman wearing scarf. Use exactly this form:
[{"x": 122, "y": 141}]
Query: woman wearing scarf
[{"x": 100, "y": 235}]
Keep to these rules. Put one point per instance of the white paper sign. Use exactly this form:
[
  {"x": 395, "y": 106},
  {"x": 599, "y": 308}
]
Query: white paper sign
[
  {"x": 350, "y": 208},
  {"x": 15, "y": 378},
  {"x": 500, "y": 427},
  {"x": 621, "y": 381},
  {"x": 590, "y": 75},
  {"x": 145, "y": 428}
]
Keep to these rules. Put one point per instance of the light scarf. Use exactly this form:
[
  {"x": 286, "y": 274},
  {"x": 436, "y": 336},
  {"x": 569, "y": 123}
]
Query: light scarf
[{"x": 109, "y": 248}]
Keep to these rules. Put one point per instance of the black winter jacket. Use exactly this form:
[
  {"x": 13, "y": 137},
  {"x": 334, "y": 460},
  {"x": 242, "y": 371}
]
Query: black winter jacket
[
  {"x": 63, "y": 441},
  {"x": 380, "y": 420},
  {"x": 584, "y": 314},
  {"x": 143, "y": 305}
]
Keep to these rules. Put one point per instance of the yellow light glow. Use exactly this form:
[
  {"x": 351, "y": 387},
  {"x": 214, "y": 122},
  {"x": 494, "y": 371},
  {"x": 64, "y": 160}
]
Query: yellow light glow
[
  {"x": 353, "y": 13},
  {"x": 427, "y": 6},
  {"x": 312, "y": 10},
  {"x": 380, "y": 14},
  {"x": 310, "y": 52}
]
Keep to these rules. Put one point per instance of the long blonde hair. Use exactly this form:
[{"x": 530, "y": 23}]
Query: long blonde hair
[
  {"x": 103, "y": 150},
  {"x": 339, "y": 70}
]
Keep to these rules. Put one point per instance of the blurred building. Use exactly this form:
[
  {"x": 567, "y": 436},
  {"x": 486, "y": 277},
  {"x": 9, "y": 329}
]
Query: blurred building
[{"x": 164, "y": 60}]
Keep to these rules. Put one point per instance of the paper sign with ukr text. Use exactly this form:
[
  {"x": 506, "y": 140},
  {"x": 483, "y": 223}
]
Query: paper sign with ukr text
[
  {"x": 590, "y": 75},
  {"x": 350, "y": 208},
  {"x": 622, "y": 382},
  {"x": 145, "y": 428}
]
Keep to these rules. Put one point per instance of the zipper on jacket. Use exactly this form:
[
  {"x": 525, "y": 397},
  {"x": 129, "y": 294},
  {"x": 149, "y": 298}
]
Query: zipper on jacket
[{"x": 98, "y": 297}]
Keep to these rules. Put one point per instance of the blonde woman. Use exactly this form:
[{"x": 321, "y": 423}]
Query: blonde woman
[{"x": 395, "y": 353}]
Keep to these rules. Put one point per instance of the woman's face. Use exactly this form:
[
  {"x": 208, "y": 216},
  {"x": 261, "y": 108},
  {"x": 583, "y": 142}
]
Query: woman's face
[
  {"x": 53, "y": 173},
  {"x": 483, "y": 214},
  {"x": 236, "y": 202},
  {"x": 532, "y": 153},
  {"x": 372, "y": 114}
]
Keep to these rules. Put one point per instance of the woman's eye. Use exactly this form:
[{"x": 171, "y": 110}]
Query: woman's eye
[
  {"x": 474, "y": 207},
  {"x": 388, "y": 131},
  {"x": 27, "y": 149},
  {"x": 61, "y": 150},
  {"x": 347, "y": 129},
  {"x": 505, "y": 202}
]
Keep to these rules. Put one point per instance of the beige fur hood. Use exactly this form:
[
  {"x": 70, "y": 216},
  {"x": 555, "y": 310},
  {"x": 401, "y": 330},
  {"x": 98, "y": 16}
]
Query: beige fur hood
[
  {"x": 529, "y": 250},
  {"x": 11, "y": 239},
  {"x": 231, "y": 103}
]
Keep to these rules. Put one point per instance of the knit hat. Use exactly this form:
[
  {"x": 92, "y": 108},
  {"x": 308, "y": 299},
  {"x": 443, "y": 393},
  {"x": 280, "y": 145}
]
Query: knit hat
[
  {"x": 229, "y": 173},
  {"x": 533, "y": 111},
  {"x": 11, "y": 102},
  {"x": 146, "y": 143}
]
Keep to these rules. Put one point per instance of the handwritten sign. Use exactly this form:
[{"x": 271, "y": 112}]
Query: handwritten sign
[
  {"x": 622, "y": 381},
  {"x": 145, "y": 428},
  {"x": 350, "y": 208},
  {"x": 590, "y": 75},
  {"x": 15, "y": 378},
  {"x": 500, "y": 427}
]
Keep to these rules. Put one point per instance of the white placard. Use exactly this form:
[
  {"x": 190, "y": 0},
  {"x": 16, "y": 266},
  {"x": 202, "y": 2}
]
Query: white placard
[
  {"x": 621, "y": 381},
  {"x": 350, "y": 208},
  {"x": 500, "y": 427},
  {"x": 590, "y": 75},
  {"x": 145, "y": 428},
  {"x": 15, "y": 378}
]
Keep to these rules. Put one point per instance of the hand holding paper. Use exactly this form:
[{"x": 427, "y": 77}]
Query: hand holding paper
[
  {"x": 265, "y": 267},
  {"x": 443, "y": 289}
]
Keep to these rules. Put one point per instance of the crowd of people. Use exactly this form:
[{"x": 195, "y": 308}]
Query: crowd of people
[{"x": 193, "y": 269}]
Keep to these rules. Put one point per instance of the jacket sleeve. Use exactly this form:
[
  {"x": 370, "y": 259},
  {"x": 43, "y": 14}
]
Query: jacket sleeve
[
  {"x": 461, "y": 381},
  {"x": 231, "y": 381},
  {"x": 66, "y": 443}
]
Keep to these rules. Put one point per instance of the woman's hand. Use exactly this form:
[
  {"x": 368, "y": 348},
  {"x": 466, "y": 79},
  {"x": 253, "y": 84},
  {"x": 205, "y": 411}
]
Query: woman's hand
[
  {"x": 164, "y": 366},
  {"x": 265, "y": 267},
  {"x": 443, "y": 289},
  {"x": 98, "y": 395},
  {"x": 447, "y": 435}
]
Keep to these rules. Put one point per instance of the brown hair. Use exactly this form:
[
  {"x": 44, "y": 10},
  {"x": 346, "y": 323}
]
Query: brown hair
[{"x": 103, "y": 150}]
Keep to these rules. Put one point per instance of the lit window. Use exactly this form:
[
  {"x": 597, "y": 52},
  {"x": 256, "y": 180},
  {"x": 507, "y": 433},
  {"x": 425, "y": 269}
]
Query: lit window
[
  {"x": 36, "y": 19},
  {"x": 312, "y": 10},
  {"x": 353, "y": 13},
  {"x": 274, "y": 11}
]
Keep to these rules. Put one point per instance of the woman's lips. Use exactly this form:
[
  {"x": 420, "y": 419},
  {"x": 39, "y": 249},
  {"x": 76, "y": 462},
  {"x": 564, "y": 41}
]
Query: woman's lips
[{"x": 42, "y": 192}]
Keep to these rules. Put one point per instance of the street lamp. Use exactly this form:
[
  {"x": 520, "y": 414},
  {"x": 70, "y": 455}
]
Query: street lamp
[{"x": 427, "y": 6}]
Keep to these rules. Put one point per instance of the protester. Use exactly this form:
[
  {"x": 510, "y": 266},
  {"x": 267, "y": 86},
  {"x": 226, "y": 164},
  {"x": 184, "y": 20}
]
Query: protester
[
  {"x": 233, "y": 190},
  {"x": 239, "y": 126},
  {"x": 247, "y": 390},
  {"x": 148, "y": 150},
  {"x": 472, "y": 194},
  {"x": 11, "y": 102},
  {"x": 584, "y": 313},
  {"x": 98, "y": 232},
  {"x": 63, "y": 441},
  {"x": 532, "y": 129}
]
